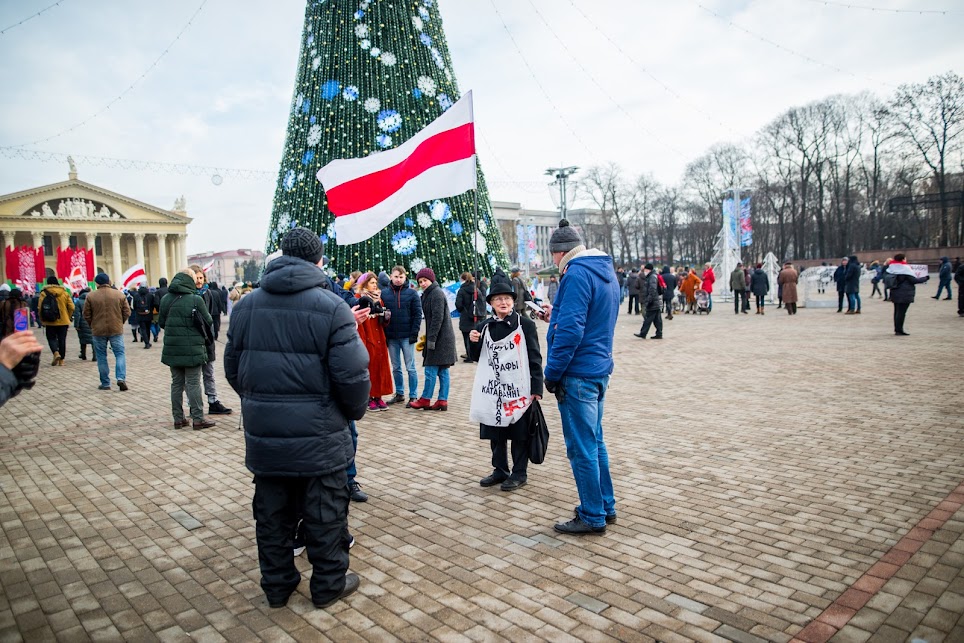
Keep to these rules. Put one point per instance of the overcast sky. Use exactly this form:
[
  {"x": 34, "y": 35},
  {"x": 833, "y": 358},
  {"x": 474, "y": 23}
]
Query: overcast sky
[{"x": 648, "y": 84}]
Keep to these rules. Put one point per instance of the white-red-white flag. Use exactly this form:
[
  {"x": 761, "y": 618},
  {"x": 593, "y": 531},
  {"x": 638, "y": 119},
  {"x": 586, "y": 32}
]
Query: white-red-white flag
[
  {"x": 367, "y": 194},
  {"x": 207, "y": 266},
  {"x": 134, "y": 276}
]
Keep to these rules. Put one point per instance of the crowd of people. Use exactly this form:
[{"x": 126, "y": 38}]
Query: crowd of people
[{"x": 337, "y": 348}]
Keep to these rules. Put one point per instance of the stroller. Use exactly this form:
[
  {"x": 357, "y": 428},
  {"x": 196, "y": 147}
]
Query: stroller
[{"x": 702, "y": 301}]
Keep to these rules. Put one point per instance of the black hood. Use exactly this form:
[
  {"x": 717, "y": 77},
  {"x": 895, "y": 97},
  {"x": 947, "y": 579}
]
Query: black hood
[{"x": 291, "y": 274}]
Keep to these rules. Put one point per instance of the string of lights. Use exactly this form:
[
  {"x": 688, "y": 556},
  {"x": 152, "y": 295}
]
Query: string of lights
[
  {"x": 124, "y": 93},
  {"x": 863, "y": 7},
  {"x": 785, "y": 49},
  {"x": 29, "y": 18},
  {"x": 542, "y": 88},
  {"x": 575, "y": 59},
  {"x": 668, "y": 89}
]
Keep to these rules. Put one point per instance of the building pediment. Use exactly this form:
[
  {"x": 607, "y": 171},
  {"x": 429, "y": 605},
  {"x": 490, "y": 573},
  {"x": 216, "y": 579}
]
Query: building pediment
[{"x": 75, "y": 200}]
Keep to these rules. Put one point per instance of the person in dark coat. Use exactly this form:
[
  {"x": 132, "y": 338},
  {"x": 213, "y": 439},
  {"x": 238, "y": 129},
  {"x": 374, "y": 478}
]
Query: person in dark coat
[
  {"x": 471, "y": 309},
  {"x": 142, "y": 307},
  {"x": 159, "y": 293},
  {"x": 401, "y": 333},
  {"x": 295, "y": 358},
  {"x": 84, "y": 335},
  {"x": 760, "y": 286},
  {"x": 439, "y": 351},
  {"x": 902, "y": 281},
  {"x": 648, "y": 285},
  {"x": 504, "y": 322},
  {"x": 499, "y": 276},
  {"x": 959, "y": 278},
  {"x": 852, "y": 285},
  {"x": 632, "y": 289},
  {"x": 553, "y": 287},
  {"x": 840, "y": 278},
  {"x": 213, "y": 302},
  {"x": 668, "y": 292},
  {"x": 738, "y": 286},
  {"x": 944, "y": 275},
  {"x": 522, "y": 294},
  {"x": 184, "y": 350}
]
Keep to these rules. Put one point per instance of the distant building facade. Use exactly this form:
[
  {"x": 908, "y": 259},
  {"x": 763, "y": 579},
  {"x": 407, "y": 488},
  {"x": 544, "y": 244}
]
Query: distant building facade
[
  {"x": 526, "y": 232},
  {"x": 40, "y": 226}
]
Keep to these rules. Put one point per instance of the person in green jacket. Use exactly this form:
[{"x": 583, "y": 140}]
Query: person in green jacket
[{"x": 184, "y": 349}]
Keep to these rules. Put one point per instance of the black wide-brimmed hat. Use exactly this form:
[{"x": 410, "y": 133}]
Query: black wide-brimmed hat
[{"x": 499, "y": 288}]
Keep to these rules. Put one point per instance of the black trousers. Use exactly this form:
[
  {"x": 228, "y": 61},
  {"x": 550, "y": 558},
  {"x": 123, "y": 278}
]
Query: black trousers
[
  {"x": 652, "y": 318},
  {"x": 960, "y": 300},
  {"x": 145, "y": 329},
  {"x": 739, "y": 297},
  {"x": 761, "y": 301},
  {"x": 468, "y": 344},
  {"x": 322, "y": 502},
  {"x": 668, "y": 306},
  {"x": 900, "y": 313},
  {"x": 840, "y": 298},
  {"x": 57, "y": 339},
  {"x": 633, "y": 301},
  {"x": 520, "y": 457}
]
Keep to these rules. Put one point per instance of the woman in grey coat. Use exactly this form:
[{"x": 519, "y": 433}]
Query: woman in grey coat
[{"x": 438, "y": 354}]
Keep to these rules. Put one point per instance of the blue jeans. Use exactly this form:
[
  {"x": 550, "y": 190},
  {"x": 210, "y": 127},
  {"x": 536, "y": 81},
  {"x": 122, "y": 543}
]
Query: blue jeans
[
  {"x": 352, "y": 472},
  {"x": 853, "y": 301},
  {"x": 408, "y": 352},
  {"x": 623, "y": 293},
  {"x": 709, "y": 302},
  {"x": 442, "y": 373},
  {"x": 100, "y": 352},
  {"x": 941, "y": 286},
  {"x": 581, "y": 409}
]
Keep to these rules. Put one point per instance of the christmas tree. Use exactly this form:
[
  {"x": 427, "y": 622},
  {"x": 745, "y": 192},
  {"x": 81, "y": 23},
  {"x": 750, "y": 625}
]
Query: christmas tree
[{"x": 371, "y": 74}]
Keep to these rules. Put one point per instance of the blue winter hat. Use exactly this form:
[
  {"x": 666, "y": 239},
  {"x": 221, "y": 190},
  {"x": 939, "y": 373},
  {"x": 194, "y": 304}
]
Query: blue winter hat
[{"x": 101, "y": 279}]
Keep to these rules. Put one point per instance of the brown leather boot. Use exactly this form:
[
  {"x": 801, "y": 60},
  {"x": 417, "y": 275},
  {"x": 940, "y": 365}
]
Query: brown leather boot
[{"x": 203, "y": 424}]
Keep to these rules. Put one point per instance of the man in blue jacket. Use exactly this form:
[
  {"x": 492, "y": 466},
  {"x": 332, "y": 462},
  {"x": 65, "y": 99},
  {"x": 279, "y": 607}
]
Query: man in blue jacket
[
  {"x": 295, "y": 358},
  {"x": 401, "y": 334},
  {"x": 579, "y": 361},
  {"x": 944, "y": 276}
]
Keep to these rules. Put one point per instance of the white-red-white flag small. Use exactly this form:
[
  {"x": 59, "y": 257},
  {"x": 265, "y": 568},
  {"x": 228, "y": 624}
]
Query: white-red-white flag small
[
  {"x": 134, "y": 276},
  {"x": 207, "y": 266}
]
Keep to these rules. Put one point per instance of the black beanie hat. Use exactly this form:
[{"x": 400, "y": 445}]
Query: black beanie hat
[
  {"x": 304, "y": 244},
  {"x": 564, "y": 238}
]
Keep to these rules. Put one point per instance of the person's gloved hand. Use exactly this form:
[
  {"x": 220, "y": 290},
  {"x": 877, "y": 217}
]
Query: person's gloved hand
[
  {"x": 412, "y": 340},
  {"x": 551, "y": 386}
]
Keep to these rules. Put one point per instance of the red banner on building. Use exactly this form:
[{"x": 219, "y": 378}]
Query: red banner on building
[
  {"x": 25, "y": 267},
  {"x": 70, "y": 258}
]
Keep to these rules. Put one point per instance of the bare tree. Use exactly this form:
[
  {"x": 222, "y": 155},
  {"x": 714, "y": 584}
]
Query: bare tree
[{"x": 930, "y": 119}]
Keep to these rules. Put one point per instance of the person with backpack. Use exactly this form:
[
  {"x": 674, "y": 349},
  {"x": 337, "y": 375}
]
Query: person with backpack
[
  {"x": 158, "y": 295},
  {"x": 56, "y": 310},
  {"x": 106, "y": 310},
  {"x": 144, "y": 312},
  {"x": 650, "y": 297},
  {"x": 471, "y": 310}
]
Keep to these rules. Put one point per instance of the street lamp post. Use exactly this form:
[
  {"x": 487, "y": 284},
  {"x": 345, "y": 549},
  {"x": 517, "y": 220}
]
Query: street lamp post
[{"x": 561, "y": 175}]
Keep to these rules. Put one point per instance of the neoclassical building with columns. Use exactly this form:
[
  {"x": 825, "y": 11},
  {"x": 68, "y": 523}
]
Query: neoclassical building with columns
[{"x": 121, "y": 231}]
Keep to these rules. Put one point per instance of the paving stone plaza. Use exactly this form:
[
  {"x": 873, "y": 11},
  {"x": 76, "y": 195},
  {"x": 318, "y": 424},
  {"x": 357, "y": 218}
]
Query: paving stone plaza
[{"x": 776, "y": 477}]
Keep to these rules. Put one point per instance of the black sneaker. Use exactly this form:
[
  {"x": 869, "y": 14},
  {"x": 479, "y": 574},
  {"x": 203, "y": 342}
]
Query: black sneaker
[
  {"x": 216, "y": 408},
  {"x": 408, "y": 405},
  {"x": 577, "y": 527},
  {"x": 122, "y": 385},
  {"x": 512, "y": 484},
  {"x": 351, "y": 584},
  {"x": 398, "y": 398},
  {"x": 357, "y": 495}
]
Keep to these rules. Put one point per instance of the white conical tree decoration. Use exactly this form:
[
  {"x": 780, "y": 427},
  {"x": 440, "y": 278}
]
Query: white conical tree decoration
[
  {"x": 726, "y": 254},
  {"x": 771, "y": 266}
]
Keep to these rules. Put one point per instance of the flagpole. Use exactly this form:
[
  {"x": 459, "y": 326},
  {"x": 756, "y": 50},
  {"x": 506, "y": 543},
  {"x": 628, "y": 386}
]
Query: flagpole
[{"x": 475, "y": 226}]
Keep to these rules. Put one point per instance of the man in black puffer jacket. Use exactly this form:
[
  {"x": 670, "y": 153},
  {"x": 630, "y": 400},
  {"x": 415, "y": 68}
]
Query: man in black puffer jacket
[{"x": 296, "y": 360}]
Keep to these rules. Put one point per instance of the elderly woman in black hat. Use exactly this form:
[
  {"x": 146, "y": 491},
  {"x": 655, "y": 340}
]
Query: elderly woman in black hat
[{"x": 496, "y": 341}]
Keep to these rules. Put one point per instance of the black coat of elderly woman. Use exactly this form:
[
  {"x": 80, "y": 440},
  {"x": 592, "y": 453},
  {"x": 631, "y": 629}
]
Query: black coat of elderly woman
[{"x": 502, "y": 324}]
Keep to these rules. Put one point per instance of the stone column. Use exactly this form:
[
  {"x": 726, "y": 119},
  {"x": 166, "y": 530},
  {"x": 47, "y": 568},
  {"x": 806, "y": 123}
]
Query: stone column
[
  {"x": 115, "y": 251},
  {"x": 8, "y": 238},
  {"x": 64, "y": 239},
  {"x": 139, "y": 248},
  {"x": 162, "y": 256},
  {"x": 92, "y": 243},
  {"x": 38, "y": 242},
  {"x": 181, "y": 251}
]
